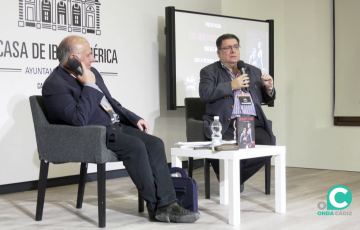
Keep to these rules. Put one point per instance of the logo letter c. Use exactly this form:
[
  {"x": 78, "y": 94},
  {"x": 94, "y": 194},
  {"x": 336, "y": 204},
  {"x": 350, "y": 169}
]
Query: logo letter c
[{"x": 332, "y": 198}]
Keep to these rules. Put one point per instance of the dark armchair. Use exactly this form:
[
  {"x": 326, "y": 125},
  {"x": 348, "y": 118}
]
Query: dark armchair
[
  {"x": 63, "y": 144},
  {"x": 194, "y": 110}
]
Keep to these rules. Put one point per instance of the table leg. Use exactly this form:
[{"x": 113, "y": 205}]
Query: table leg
[
  {"x": 280, "y": 184},
  {"x": 224, "y": 182},
  {"x": 234, "y": 192},
  {"x": 176, "y": 161}
]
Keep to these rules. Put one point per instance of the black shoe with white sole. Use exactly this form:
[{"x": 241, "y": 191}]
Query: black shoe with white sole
[{"x": 175, "y": 213}]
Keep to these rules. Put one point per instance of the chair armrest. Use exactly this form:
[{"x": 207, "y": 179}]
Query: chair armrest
[
  {"x": 195, "y": 130},
  {"x": 64, "y": 143}
]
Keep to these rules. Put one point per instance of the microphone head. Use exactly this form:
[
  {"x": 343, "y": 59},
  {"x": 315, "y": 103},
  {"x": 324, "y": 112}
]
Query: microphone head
[
  {"x": 74, "y": 64},
  {"x": 240, "y": 64}
]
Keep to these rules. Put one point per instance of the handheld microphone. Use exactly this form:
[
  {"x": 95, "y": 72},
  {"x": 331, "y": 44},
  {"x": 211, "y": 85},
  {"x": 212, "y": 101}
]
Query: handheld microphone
[
  {"x": 241, "y": 66},
  {"x": 74, "y": 64}
]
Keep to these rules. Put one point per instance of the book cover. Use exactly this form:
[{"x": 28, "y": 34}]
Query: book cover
[{"x": 245, "y": 132}]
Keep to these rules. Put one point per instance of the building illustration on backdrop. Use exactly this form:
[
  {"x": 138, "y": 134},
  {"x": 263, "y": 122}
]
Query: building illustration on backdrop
[{"x": 82, "y": 16}]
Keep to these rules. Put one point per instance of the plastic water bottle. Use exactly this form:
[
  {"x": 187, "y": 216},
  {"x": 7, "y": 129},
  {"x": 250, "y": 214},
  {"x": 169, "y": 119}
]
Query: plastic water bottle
[
  {"x": 216, "y": 137},
  {"x": 234, "y": 125}
]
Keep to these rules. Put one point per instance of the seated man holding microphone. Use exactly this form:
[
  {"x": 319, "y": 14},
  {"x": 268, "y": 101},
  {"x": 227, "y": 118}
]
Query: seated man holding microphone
[
  {"x": 78, "y": 96},
  {"x": 221, "y": 85}
]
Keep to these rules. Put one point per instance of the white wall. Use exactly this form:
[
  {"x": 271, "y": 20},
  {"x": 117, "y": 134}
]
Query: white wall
[
  {"x": 141, "y": 85},
  {"x": 303, "y": 112}
]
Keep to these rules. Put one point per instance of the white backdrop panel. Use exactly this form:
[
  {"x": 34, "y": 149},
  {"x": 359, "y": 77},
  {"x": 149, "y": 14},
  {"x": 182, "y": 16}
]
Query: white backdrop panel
[{"x": 134, "y": 30}]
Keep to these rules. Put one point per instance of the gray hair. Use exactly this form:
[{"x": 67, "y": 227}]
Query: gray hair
[
  {"x": 66, "y": 47},
  {"x": 64, "y": 50}
]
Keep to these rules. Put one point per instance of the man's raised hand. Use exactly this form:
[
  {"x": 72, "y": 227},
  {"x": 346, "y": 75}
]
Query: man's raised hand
[{"x": 87, "y": 76}]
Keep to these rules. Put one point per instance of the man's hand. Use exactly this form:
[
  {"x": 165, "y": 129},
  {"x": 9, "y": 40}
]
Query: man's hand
[
  {"x": 142, "y": 123},
  {"x": 240, "y": 82},
  {"x": 268, "y": 82},
  {"x": 87, "y": 77}
]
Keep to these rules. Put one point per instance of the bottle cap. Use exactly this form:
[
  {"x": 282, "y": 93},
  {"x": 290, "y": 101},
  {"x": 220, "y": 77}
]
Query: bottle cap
[{"x": 216, "y": 117}]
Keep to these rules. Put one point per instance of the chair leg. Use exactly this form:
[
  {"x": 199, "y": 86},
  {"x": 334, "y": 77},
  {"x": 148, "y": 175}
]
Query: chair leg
[
  {"x": 81, "y": 188},
  {"x": 140, "y": 202},
  {"x": 207, "y": 178},
  {"x": 190, "y": 167},
  {"x": 101, "y": 194},
  {"x": 44, "y": 169},
  {"x": 267, "y": 176}
]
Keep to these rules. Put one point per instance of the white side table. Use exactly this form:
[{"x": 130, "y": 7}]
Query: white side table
[{"x": 230, "y": 173}]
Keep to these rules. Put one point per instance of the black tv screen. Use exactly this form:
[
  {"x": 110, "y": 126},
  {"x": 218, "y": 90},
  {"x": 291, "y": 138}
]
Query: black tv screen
[{"x": 190, "y": 46}]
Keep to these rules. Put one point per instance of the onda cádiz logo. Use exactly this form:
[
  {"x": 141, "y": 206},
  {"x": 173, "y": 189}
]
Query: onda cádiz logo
[
  {"x": 81, "y": 16},
  {"x": 339, "y": 197}
]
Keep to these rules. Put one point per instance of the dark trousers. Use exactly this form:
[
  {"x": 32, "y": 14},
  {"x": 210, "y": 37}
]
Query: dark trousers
[
  {"x": 248, "y": 167},
  {"x": 144, "y": 158}
]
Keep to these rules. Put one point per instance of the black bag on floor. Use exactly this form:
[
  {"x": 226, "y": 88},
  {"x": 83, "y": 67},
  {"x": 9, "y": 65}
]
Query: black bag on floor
[{"x": 186, "y": 189}]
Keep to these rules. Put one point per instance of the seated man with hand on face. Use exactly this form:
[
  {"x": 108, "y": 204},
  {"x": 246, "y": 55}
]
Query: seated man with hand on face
[
  {"x": 82, "y": 100},
  {"x": 221, "y": 85}
]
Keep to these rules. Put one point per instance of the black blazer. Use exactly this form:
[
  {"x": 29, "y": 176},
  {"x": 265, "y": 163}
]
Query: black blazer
[
  {"x": 69, "y": 102},
  {"x": 215, "y": 91}
]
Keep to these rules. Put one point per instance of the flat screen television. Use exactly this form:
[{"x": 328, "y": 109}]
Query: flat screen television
[{"x": 190, "y": 46}]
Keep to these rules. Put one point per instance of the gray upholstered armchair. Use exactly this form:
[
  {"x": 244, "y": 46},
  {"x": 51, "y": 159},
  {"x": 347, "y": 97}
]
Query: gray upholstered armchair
[
  {"x": 63, "y": 144},
  {"x": 195, "y": 110}
]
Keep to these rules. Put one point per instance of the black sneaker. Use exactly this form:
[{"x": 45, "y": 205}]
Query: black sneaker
[
  {"x": 152, "y": 215},
  {"x": 175, "y": 213}
]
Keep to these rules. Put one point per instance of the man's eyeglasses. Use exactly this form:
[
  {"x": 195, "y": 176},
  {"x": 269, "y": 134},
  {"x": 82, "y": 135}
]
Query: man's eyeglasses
[{"x": 228, "y": 48}]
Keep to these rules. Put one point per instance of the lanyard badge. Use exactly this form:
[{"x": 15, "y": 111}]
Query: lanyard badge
[
  {"x": 244, "y": 99},
  {"x": 110, "y": 112}
]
